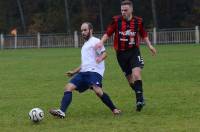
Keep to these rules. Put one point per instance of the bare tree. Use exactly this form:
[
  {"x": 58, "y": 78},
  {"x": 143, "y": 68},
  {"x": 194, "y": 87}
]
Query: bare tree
[
  {"x": 101, "y": 15},
  {"x": 154, "y": 13},
  {"x": 21, "y": 14},
  {"x": 67, "y": 16},
  {"x": 84, "y": 10}
]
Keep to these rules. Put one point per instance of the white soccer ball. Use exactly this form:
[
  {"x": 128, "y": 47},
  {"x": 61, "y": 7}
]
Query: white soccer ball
[{"x": 36, "y": 114}]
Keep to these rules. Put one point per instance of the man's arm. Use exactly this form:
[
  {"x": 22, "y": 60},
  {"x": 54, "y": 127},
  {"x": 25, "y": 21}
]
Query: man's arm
[
  {"x": 100, "y": 44},
  {"x": 143, "y": 34},
  {"x": 109, "y": 32},
  {"x": 104, "y": 38},
  {"x": 152, "y": 49},
  {"x": 72, "y": 72},
  {"x": 104, "y": 55},
  {"x": 101, "y": 57}
]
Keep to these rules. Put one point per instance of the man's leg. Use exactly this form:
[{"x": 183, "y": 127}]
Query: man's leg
[
  {"x": 66, "y": 100},
  {"x": 135, "y": 81},
  {"x": 106, "y": 100}
]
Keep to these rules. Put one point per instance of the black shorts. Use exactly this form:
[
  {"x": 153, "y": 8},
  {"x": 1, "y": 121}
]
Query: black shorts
[{"x": 130, "y": 59}]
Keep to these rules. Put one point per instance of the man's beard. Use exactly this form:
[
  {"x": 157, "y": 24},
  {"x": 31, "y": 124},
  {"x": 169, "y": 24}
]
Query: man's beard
[
  {"x": 127, "y": 18},
  {"x": 86, "y": 37}
]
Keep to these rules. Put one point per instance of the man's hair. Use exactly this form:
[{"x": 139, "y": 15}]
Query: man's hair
[
  {"x": 127, "y": 2},
  {"x": 90, "y": 26}
]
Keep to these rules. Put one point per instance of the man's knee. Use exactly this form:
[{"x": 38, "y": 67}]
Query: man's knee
[
  {"x": 98, "y": 91},
  {"x": 136, "y": 73},
  {"x": 69, "y": 87}
]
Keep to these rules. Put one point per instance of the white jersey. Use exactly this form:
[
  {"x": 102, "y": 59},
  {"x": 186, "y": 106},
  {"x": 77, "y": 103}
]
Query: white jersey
[{"x": 88, "y": 57}]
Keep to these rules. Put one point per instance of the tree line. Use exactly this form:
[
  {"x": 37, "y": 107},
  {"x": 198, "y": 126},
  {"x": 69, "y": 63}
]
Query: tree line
[{"x": 61, "y": 16}]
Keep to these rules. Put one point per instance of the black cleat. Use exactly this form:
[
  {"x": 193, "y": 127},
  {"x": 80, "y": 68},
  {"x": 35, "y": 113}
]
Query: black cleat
[
  {"x": 57, "y": 113},
  {"x": 139, "y": 106}
]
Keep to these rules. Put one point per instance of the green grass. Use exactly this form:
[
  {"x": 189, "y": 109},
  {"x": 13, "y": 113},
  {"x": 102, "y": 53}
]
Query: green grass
[{"x": 35, "y": 78}]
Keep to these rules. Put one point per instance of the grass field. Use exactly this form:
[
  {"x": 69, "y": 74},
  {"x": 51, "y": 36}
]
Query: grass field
[{"x": 35, "y": 78}]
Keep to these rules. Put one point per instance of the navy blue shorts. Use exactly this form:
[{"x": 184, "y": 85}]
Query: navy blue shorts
[
  {"x": 84, "y": 80},
  {"x": 130, "y": 59}
]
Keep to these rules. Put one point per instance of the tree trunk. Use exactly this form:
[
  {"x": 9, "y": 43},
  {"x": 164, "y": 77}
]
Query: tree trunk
[
  {"x": 21, "y": 15},
  {"x": 83, "y": 10},
  {"x": 155, "y": 24},
  {"x": 67, "y": 17},
  {"x": 101, "y": 15}
]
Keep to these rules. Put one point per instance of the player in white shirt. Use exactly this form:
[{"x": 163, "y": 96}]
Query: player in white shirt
[
  {"x": 88, "y": 75},
  {"x": 89, "y": 55}
]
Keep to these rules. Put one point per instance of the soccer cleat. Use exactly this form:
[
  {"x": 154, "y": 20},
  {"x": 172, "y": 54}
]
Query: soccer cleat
[
  {"x": 116, "y": 112},
  {"x": 57, "y": 113},
  {"x": 139, "y": 106}
]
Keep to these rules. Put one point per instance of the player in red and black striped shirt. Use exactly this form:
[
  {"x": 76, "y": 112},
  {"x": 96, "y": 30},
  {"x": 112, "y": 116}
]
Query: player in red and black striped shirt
[{"x": 128, "y": 30}]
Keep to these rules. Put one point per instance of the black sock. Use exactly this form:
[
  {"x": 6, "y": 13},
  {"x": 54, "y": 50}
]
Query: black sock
[
  {"x": 107, "y": 101},
  {"x": 66, "y": 100},
  {"x": 137, "y": 87}
]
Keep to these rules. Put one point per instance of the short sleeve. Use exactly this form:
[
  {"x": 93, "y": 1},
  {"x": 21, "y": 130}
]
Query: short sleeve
[
  {"x": 103, "y": 49},
  {"x": 142, "y": 30},
  {"x": 98, "y": 51},
  {"x": 111, "y": 27}
]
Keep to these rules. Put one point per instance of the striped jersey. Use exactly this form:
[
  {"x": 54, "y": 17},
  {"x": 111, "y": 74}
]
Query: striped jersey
[{"x": 127, "y": 33}]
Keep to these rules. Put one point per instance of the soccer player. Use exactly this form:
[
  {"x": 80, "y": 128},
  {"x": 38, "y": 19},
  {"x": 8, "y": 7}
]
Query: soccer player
[
  {"x": 128, "y": 30},
  {"x": 88, "y": 75}
]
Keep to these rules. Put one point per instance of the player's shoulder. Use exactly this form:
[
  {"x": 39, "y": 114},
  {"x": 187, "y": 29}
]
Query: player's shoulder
[
  {"x": 116, "y": 17},
  {"x": 95, "y": 39},
  {"x": 138, "y": 18}
]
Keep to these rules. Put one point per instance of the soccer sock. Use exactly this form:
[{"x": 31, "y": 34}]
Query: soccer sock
[
  {"x": 137, "y": 87},
  {"x": 107, "y": 101},
  {"x": 66, "y": 100}
]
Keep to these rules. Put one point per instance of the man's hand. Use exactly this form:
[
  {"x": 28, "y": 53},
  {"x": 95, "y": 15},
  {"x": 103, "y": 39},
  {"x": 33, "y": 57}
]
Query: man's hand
[
  {"x": 98, "y": 45},
  {"x": 69, "y": 73},
  {"x": 153, "y": 50},
  {"x": 99, "y": 59}
]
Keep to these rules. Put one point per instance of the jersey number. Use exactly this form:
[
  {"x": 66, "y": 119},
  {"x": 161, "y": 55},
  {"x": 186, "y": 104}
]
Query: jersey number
[{"x": 140, "y": 59}]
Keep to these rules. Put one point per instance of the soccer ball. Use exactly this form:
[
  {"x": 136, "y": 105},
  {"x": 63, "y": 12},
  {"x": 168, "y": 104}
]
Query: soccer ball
[{"x": 36, "y": 114}]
